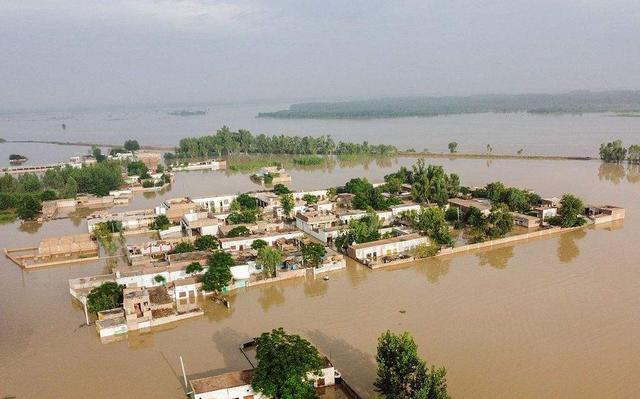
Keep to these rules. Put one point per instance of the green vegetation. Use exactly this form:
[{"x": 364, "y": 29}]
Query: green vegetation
[
  {"x": 313, "y": 253},
  {"x": 226, "y": 142},
  {"x": 218, "y": 275},
  {"x": 258, "y": 244},
  {"x": 308, "y": 160},
  {"x": 402, "y": 374},
  {"x": 131, "y": 145},
  {"x": 104, "y": 231},
  {"x": 138, "y": 168},
  {"x": 496, "y": 224},
  {"x": 193, "y": 268},
  {"x": 616, "y": 152},
  {"x": 244, "y": 210},
  {"x": 104, "y": 297},
  {"x": 453, "y": 147},
  {"x": 310, "y": 199},
  {"x": 205, "y": 242},
  {"x": 432, "y": 223},
  {"x": 360, "y": 230},
  {"x": 517, "y": 200},
  {"x": 160, "y": 279},
  {"x": 183, "y": 247},
  {"x": 281, "y": 189},
  {"x": 269, "y": 258},
  {"x": 23, "y": 196},
  {"x": 368, "y": 197},
  {"x": 572, "y": 102},
  {"x": 425, "y": 251},
  {"x": 284, "y": 365},
  {"x": 613, "y": 152},
  {"x": 251, "y": 165},
  {"x": 239, "y": 231},
  {"x": 571, "y": 207},
  {"x": 161, "y": 222},
  {"x": 287, "y": 202},
  {"x": 429, "y": 183}
]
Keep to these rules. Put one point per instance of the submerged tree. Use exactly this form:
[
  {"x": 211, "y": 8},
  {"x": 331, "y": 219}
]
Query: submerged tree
[
  {"x": 286, "y": 366},
  {"x": 571, "y": 207},
  {"x": 613, "y": 151}
]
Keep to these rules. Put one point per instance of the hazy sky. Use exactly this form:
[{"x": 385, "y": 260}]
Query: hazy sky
[{"x": 66, "y": 53}]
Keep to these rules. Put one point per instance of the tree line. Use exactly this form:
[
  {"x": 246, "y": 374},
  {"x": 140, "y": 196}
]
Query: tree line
[
  {"x": 225, "y": 142},
  {"x": 616, "y": 152}
]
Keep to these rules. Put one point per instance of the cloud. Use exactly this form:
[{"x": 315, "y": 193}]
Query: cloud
[{"x": 209, "y": 15}]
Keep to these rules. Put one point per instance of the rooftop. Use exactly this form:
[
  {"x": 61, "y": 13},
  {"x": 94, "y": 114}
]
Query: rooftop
[
  {"x": 465, "y": 203},
  {"x": 406, "y": 237},
  {"x": 222, "y": 381}
]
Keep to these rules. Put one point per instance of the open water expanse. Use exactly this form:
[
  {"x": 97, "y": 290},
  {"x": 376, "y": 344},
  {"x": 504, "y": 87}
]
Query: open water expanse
[
  {"x": 553, "y": 134},
  {"x": 551, "y": 318}
]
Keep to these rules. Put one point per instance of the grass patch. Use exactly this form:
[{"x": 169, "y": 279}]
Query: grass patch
[{"x": 308, "y": 160}]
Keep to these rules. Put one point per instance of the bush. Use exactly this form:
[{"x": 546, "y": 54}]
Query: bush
[
  {"x": 183, "y": 247},
  {"x": 29, "y": 207},
  {"x": 281, "y": 189},
  {"x": 425, "y": 251},
  {"x": 205, "y": 242},
  {"x": 239, "y": 231},
  {"x": 194, "y": 268},
  {"x": 106, "y": 296},
  {"x": 147, "y": 184},
  {"x": 161, "y": 222},
  {"x": 160, "y": 279}
]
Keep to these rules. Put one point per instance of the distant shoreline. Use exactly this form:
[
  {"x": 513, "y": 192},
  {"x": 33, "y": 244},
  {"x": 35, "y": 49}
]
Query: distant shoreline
[{"x": 455, "y": 155}]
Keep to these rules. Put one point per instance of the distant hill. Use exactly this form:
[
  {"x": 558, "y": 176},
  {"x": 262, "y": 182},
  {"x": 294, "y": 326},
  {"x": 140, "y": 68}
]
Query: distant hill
[{"x": 572, "y": 102}]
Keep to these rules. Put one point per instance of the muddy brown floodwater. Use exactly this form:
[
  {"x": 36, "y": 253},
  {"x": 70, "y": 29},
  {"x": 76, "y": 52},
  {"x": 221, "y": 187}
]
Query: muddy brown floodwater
[{"x": 551, "y": 318}]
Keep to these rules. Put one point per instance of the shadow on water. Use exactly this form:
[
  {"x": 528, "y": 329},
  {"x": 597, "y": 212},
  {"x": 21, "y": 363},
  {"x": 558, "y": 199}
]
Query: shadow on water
[
  {"x": 568, "y": 250},
  {"x": 347, "y": 359},
  {"x": 498, "y": 258}
]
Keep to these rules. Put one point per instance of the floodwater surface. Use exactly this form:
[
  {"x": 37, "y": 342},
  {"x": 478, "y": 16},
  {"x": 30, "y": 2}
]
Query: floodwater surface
[{"x": 549, "y": 318}]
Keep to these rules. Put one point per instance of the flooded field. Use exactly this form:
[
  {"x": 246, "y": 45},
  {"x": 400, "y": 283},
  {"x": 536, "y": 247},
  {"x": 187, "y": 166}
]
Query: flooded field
[{"x": 550, "y": 318}]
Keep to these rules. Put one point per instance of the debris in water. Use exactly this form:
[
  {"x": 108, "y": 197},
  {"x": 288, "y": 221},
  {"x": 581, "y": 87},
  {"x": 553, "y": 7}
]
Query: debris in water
[
  {"x": 326, "y": 278},
  {"x": 403, "y": 311}
]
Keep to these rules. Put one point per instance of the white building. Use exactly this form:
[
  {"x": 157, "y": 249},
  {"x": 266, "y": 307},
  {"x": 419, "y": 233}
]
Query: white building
[
  {"x": 220, "y": 203},
  {"x": 244, "y": 242},
  {"x": 370, "y": 252}
]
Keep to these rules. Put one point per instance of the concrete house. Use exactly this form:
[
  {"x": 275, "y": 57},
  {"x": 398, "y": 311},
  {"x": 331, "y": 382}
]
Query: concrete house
[
  {"x": 174, "y": 209},
  {"x": 466, "y": 204},
  {"x": 372, "y": 252},
  {"x": 200, "y": 223},
  {"x": 527, "y": 221}
]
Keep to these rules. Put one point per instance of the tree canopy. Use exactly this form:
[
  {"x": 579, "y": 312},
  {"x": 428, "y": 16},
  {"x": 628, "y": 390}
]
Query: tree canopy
[
  {"x": 205, "y": 242},
  {"x": 218, "y": 275},
  {"x": 269, "y": 258},
  {"x": 104, "y": 297},
  {"x": 286, "y": 365},
  {"x": 613, "y": 151},
  {"x": 313, "y": 253},
  {"x": 571, "y": 207},
  {"x": 402, "y": 374},
  {"x": 431, "y": 222}
]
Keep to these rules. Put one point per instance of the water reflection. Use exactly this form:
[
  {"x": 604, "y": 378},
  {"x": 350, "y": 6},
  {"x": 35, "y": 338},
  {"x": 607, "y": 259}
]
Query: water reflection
[
  {"x": 315, "y": 287},
  {"x": 30, "y": 227},
  {"x": 270, "y": 296},
  {"x": 227, "y": 342},
  {"x": 567, "y": 248},
  {"x": 498, "y": 258},
  {"x": 615, "y": 173},
  {"x": 435, "y": 268}
]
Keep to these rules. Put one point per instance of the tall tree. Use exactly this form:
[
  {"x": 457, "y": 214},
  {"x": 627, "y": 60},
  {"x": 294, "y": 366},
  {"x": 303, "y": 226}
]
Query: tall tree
[
  {"x": 218, "y": 275},
  {"x": 313, "y": 253},
  {"x": 269, "y": 258},
  {"x": 287, "y": 202},
  {"x": 286, "y": 365},
  {"x": 571, "y": 207}
]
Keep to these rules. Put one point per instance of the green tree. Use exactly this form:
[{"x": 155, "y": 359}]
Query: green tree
[
  {"x": 239, "y": 231},
  {"x": 453, "y": 147},
  {"x": 29, "y": 183},
  {"x": 281, "y": 189},
  {"x": 29, "y": 207},
  {"x": 287, "y": 202},
  {"x": 269, "y": 258},
  {"x": 285, "y": 365},
  {"x": 571, "y": 207},
  {"x": 310, "y": 199},
  {"x": 160, "y": 222},
  {"x": 160, "y": 279},
  {"x": 70, "y": 189},
  {"x": 138, "y": 168},
  {"x": 8, "y": 183},
  {"x": 613, "y": 151},
  {"x": 131, "y": 145},
  {"x": 193, "y": 268},
  {"x": 183, "y": 247},
  {"x": 313, "y": 253},
  {"x": 104, "y": 297},
  {"x": 97, "y": 154},
  {"x": 425, "y": 251},
  {"x": 258, "y": 244},
  {"x": 402, "y": 374},
  {"x": 634, "y": 154},
  {"x": 431, "y": 222},
  {"x": 218, "y": 275},
  {"x": 205, "y": 242}
]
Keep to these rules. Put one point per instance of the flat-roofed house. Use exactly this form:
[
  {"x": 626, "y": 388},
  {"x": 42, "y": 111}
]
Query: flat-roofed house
[
  {"x": 324, "y": 226},
  {"x": 174, "y": 209},
  {"x": 466, "y": 204},
  {"x": 237, "y": 384},
  {"x": 200, "y": 223},
  {"x": 527, "y": 221},
  {"x": 371, "y": 252},
  {"x": 604, "y": 213}
]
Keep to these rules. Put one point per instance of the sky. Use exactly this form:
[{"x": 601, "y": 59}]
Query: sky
[{"x": 76, "y": 53}]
